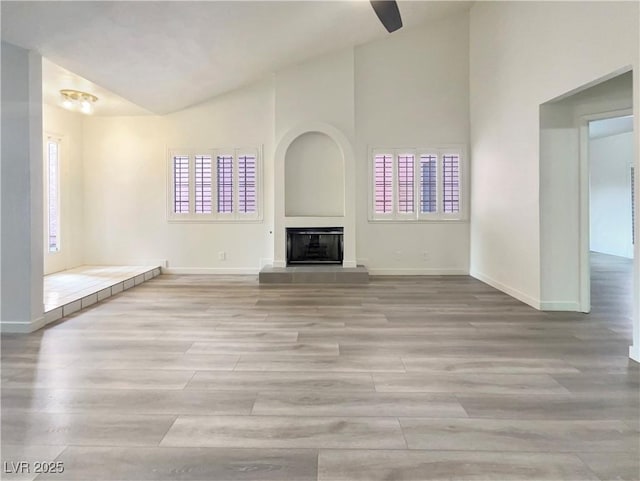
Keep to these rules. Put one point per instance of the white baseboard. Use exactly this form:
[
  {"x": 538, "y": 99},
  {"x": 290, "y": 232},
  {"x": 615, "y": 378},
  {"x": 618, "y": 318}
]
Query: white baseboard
[
  {"x": 211, "y": 270},
  {"x": 22, "y": 327},
  {"x": 560, "y": 306},
  {"x": 147, "y": 262},
  {"x": 515, "y": 293},
  {"x": 395, "y": 271},
  {"x": 265, "y": 262}
]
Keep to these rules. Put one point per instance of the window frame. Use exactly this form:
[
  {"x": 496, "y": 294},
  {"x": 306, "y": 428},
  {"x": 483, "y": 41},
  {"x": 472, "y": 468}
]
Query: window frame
[
  {"x": 214, "y": 216},
  {"x": 417, "y": 216},
  {"x": 57, "y": 139}
]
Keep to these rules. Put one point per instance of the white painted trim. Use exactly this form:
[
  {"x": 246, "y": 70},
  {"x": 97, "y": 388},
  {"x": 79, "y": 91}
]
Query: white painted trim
[
  {"x": 211, "y": 270},
  {"x": 22, "y": 327},
  {"x": 429, "y": 271},
  {"x": 570, "y": 306},
  {"x": 584, "y": 221},
  {"x": 515, "y": 293}
]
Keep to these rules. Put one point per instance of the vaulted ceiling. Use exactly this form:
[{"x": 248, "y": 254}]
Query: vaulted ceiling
[{"x": 165, "y": 56}]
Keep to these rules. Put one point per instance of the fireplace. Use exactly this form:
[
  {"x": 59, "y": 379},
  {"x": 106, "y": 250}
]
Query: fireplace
[{"x": 315, "y": 245}]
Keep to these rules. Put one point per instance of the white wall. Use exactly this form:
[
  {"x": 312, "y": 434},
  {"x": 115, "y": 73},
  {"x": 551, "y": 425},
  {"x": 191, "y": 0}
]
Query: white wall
[
  {"x": 610, "y": 160},
  {"x": 559, "y": 208},
  {"x": 412, "y": 90},
  {"x": 318, "y": 90},
  {"x": 21, "y": 191},
  {"x": 408, "y": 90},
  {"x": 126, "y": 185},
  {"x": 68, "y": 127},
  {"x": 243, "y": 118},
  {"x": 522, "y": 55}
]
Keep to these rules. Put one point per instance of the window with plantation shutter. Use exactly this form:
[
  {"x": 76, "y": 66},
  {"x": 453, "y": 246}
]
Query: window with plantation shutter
[
  {"x": 383, "y": 180},
  {"x": 246, "y": 184},
  {"x": 450, "y": 183},
  {"x": 203, "y": 184},
  {"x": 417, "y": 184},
  {"x": 405, "y": 183},
  {"x": 210, "y": 185},
  {"x": 225, "y": 183},
  {"x": 181, "y": 184},
  {"x": 428, "y": 183}
]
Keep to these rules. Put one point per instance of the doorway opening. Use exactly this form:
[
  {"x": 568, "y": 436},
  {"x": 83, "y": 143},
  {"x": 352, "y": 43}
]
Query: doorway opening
[
  {"x": 567, "y": 236},
  {"x": 611, "y": 217}
]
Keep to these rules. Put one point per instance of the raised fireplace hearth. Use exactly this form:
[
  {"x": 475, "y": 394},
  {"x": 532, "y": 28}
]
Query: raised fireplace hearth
[{"x": 315, "y": 245}]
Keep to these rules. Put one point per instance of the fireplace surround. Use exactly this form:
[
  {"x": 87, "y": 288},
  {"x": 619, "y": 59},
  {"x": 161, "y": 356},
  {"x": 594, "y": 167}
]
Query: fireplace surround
[
  {"x": 315, "y": 245},
  {"x": 284, "y": 157}
]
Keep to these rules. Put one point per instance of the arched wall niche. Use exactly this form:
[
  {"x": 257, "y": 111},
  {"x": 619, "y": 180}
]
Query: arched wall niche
[{"x": 314, "y": 177}]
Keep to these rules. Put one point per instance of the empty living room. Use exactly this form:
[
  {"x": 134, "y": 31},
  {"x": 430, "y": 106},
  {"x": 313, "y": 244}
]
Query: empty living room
[{"x": 320, "y": 240}]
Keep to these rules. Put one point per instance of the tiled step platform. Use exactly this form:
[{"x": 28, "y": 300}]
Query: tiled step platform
[
  {"x": 74, "y": 289},
  {"x": 314, "y": 275}
]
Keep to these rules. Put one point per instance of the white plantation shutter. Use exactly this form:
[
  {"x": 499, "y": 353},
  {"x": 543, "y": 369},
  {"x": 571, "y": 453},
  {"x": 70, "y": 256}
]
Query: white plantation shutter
[
  {"x": 421, "y": 184},
  {"x": 406, "y": 191},
  {"x": 247, "y": 184},
  {"x": 203, "y": 184},
  {"x": 450, "y": 183},
  {"x": 428, "y": 183},
  {"x": 181, "y": 184},
  {"x": 214, "y": 185},
  {"x": 224, "y": 173},
  {"x": 383, "y": 183}
]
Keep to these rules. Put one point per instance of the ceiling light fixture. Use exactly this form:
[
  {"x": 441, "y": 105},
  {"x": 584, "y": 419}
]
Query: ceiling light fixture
[{"x": 77, "y": 100}]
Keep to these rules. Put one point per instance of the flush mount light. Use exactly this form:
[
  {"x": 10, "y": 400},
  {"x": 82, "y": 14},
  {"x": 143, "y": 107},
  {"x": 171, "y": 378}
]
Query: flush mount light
[{"x": 77, "y": 100}]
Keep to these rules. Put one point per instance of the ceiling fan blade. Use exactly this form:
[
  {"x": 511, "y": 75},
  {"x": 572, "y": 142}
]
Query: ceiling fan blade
[{"x": 388, "y": 13}]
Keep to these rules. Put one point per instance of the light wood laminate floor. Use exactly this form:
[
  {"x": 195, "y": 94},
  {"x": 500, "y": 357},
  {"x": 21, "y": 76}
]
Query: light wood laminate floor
[{"x": 416, "y": 378}]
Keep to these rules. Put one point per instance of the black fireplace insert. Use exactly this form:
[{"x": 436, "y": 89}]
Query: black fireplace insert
[{"x": 315, "y": 245}]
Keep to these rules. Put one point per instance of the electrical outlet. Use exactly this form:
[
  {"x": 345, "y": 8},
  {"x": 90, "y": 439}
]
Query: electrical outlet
[{"x": 222, "y": 256}]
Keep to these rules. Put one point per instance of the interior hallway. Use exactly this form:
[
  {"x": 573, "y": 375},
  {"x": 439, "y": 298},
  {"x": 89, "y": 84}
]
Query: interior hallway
[{"x": 414, "y": 378}]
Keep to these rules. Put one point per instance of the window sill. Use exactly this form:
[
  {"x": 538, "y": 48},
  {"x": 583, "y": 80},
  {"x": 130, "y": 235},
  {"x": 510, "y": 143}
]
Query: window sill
[
  {"x": 418, "y": 221},
  {"x": 215, "y": 221}
]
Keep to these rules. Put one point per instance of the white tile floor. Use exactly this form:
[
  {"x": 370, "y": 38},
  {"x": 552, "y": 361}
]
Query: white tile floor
[{"x": 73, "y": 289}]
